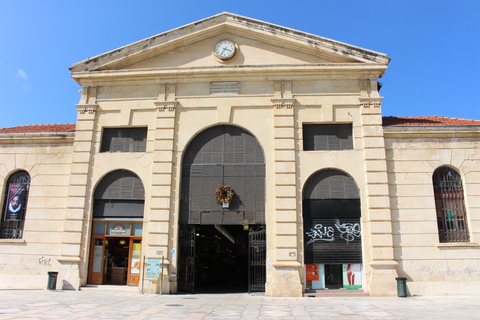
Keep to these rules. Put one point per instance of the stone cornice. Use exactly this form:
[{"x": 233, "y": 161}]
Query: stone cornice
[
  {"x": 222, "y": 73},
  {"x": 431, "y": 132},
  {"x": 38, "y": 137}
]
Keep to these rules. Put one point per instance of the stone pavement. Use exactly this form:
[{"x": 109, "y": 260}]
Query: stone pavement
[{"x": 124, "y": 304}]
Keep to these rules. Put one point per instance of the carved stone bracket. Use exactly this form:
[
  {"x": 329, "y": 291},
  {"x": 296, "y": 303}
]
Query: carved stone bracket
[
  {"x": 169, "y": 105},
  {"x": 371, "y": 102},
  {"x": 283, "y": 102},
  {"x": 282, "y": 94},
  {"x": 166, "y": 97},
  {"x": 88, "y": 100},
  {"x": 86, "y": 108}
]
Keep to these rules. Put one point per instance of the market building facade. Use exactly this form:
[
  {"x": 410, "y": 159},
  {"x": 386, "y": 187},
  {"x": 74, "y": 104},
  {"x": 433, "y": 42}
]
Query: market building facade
[{"x": 232, "y": 155}]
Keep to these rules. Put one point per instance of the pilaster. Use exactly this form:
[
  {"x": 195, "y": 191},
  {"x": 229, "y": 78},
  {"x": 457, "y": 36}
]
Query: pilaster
[
  {"x": 78, "y": 200},
  {"x": 382, "y": 261},
  {"x": 285, "y": 280},
  {"x": 162, "y": 175}
]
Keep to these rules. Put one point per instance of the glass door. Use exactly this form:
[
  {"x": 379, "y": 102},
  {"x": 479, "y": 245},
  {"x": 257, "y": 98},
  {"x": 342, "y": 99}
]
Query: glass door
[
  {"x": 135, "y": 263},
  {"x": 97, "y": 261}
]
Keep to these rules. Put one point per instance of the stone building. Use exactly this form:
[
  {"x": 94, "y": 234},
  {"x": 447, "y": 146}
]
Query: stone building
[{"x": 232, "y": 154}]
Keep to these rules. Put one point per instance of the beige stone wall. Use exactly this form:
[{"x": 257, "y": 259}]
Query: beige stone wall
[
  {"x": 24, "y": 263},
  {"x": 413, "y": 155}
]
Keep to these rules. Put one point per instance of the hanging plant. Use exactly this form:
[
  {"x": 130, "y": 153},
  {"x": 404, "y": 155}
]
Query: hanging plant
[{"x": 224, "y": 195}]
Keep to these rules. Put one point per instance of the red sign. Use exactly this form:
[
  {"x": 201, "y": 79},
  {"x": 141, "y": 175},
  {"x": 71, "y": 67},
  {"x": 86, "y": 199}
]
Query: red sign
[{"x": 312, "y": 272}]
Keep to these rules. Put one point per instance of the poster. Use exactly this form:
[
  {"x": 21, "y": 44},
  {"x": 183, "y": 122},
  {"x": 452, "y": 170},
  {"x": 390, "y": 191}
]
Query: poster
[
  {"x": 153, "y": 269},
  {"x": 312, "y": 272},
  {"x": 16, "y": 199},
  {"x": 352, "y": 275},
  {"x": 135, "y": 264}
]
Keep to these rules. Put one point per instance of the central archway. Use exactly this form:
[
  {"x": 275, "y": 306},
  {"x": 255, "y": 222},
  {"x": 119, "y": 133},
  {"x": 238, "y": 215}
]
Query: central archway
[{"x": 220, "y": 246}]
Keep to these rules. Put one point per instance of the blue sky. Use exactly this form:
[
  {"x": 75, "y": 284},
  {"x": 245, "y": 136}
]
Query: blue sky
[{"x": 434, "y": 46}]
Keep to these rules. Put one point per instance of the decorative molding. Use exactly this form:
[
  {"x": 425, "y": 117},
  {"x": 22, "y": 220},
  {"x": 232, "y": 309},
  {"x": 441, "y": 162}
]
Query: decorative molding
[
  {"x": 371, "y": 102},
  {"x": 166, "y": 97},
  {"x": 282, "y": 94},
  {"x": 88, "y": 100}
]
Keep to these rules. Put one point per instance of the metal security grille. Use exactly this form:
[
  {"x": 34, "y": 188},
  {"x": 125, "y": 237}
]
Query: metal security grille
[
  {"x": 120, "y": 194},
  {"x": 124, "y": 140},
  {"x": 186, "y": 260},
  {"x": 327, "y": 137},
  {"x": 223, "y": 155},
  {"x": 15, "y": 205},
  {"x": 450, "y": 205},
  {"x": 257, "y": 249},
  {"x": 331, "y": 219}
]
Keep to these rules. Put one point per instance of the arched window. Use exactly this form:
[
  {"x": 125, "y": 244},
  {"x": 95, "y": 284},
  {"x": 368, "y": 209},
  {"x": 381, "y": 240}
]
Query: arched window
[
  {"x": 15, "y": 205},
  {"x": 450, "y": 204}
]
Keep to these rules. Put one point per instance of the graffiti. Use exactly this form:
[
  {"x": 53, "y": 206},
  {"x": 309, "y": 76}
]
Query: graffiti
[
  {"x": 44, "y": 261},
  {"x": 348, "y": 231},
  {"x": 319, "y": 232}
]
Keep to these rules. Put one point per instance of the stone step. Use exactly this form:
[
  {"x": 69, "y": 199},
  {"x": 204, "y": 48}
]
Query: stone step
[
  {"x": 109, "y": 288},
  {"x": 335, "y": 293}
]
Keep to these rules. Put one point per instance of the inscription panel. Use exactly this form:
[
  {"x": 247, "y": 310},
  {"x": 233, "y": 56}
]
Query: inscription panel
[{"x": 225, "y": 87}]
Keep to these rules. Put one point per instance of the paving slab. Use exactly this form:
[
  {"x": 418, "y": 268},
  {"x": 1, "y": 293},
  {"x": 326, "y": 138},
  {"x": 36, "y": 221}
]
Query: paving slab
[{"x": 119, "y": 304}]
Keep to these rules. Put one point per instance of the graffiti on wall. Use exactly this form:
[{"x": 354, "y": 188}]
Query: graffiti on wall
[{"x": 348, "y": 232}]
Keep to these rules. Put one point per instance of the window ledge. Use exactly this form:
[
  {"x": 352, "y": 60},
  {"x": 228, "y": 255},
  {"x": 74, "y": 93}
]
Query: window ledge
[
  {"x": 12, "y": 241},
  {"x": 457, "y": 245}
]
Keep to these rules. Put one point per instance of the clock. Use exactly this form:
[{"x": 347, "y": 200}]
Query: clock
[{"x": 225, "y": 49}]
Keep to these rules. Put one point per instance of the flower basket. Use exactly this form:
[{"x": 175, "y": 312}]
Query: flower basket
[{"x": 224, "y": 195}]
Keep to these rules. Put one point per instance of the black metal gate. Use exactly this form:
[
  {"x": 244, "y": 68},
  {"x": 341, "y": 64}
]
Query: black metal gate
[
  {"x": 186, "y": 259},
  {"x": 257, "y": 249}
]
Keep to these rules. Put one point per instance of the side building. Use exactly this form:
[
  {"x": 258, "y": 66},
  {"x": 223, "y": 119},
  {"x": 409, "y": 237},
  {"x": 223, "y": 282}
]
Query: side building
[{"x": 241, "y": 156}]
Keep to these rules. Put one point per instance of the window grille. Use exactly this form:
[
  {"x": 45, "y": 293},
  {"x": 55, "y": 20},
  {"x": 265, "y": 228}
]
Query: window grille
[
  {"x": 327, "y": 137},
  {"x": 124, "y": 140},
  {"x": 450, "y": 205},
  {"x": 15, "y": 204}
]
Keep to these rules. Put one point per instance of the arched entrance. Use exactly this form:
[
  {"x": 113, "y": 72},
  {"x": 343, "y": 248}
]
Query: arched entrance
[
  {"x": 222, "y": 213},
  {"x": 117, "y": 230},
  {"x": 332, "y": 234}
]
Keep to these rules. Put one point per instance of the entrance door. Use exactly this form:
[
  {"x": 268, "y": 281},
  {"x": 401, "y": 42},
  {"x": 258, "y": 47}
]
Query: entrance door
[
  {"x": 97, "y": 261},
  {"x": 134, "y": 262},
  {"x": 221, "y": 258}
]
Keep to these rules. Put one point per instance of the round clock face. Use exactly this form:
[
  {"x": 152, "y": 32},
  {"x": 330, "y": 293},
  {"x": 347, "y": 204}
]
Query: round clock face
[{"x": 225, "y": 49}]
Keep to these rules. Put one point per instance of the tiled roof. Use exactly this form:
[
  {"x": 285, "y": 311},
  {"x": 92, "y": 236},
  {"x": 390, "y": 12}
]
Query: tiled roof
[
  {"x": 40, "y": 128},
  {"x": 435, "y": 121}
]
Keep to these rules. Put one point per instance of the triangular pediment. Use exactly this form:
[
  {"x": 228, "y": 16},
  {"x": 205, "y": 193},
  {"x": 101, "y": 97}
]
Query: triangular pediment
[{"x": 259, "y": 44}]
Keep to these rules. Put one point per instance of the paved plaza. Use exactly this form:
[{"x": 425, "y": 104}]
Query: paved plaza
[{"x": 123, "y": 304}]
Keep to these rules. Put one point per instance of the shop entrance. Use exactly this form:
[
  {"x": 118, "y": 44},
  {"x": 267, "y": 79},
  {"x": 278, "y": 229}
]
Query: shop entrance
[
  {"x": 218, "y": 259},
  {"x": 115, "y": 259},
  {"x": 222, "y": 259}
]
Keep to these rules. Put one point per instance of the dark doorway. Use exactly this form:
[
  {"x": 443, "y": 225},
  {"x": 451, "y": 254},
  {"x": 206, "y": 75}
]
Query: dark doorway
[
  {"x": 116, "y": 254},
  {"x": 221, "y": 259},
  {"x": 333, "y": 276}
]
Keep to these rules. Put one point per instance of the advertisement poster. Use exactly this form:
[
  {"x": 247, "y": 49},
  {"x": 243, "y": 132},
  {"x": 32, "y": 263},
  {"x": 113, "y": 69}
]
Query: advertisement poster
[
  {"x": 352, "y": 276},
  {"x": 16, "y": 199},
  {"x": 135, "y": 265},
  {"x": 312, "y": 272}
]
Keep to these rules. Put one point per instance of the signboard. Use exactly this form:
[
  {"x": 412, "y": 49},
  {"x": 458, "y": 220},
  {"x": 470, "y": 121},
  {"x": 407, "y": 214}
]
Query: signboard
[
  {"x": 16, "y": 199},
  {"x": 312, "y": 272},
  {"x": 152, "y": 269}
]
